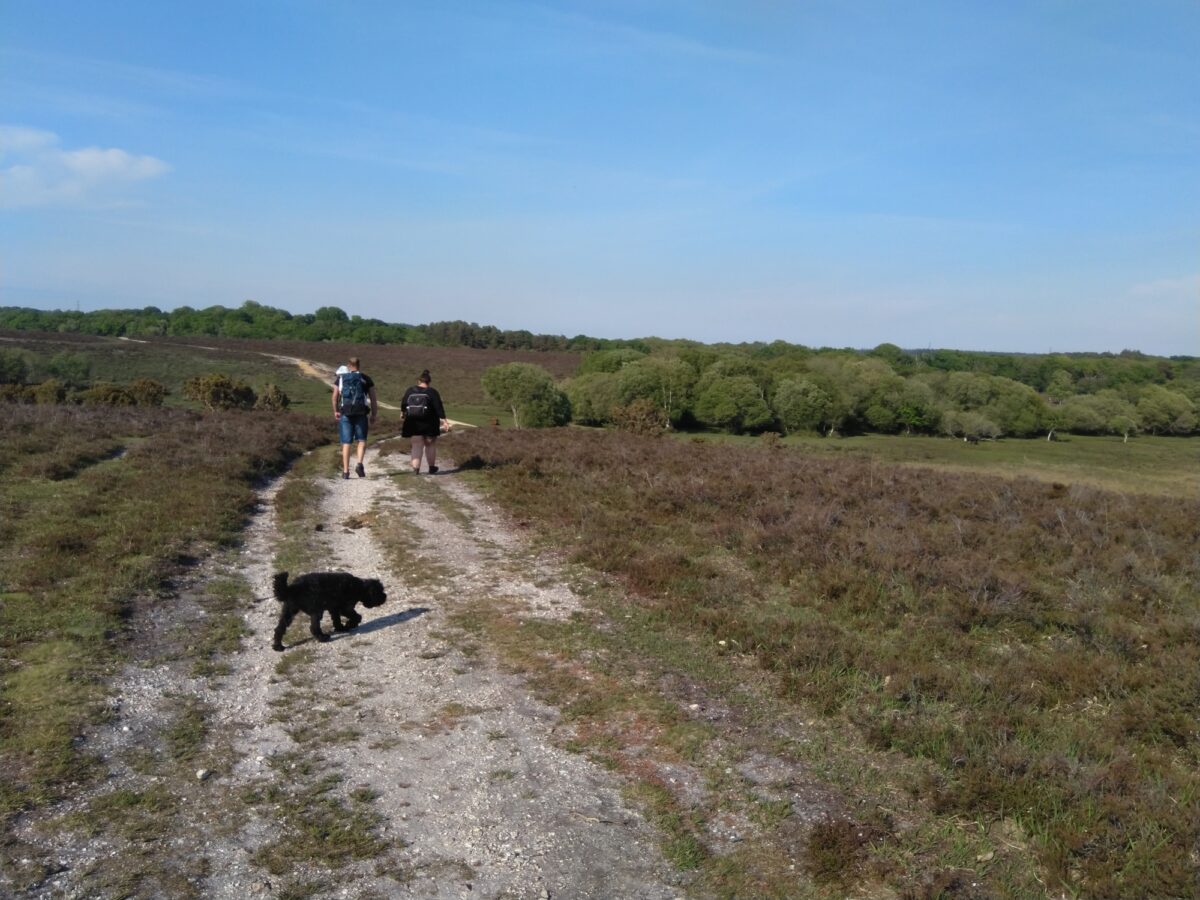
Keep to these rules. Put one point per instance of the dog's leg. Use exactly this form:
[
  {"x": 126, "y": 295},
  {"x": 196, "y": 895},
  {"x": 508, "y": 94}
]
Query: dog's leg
[
  {"x": 351, "y": 617},
  {"x": 285, "y": 619},
  {"x": 314, "y": 625}
]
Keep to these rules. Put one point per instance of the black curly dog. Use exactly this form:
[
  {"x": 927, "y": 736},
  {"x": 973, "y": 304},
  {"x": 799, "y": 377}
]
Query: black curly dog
[{"x": 316, "y": 592}]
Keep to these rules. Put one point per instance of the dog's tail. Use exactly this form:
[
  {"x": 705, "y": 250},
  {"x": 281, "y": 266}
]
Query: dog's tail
[{"x": 280, "y": 584}]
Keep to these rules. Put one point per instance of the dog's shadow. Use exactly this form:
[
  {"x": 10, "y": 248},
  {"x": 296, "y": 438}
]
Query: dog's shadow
[{"x": 384, "y": 621}]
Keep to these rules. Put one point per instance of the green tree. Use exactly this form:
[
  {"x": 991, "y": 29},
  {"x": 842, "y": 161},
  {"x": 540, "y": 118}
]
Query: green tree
[
  {"x": 593, "y": 397},
  {"x": 1061, "y": 386},
  {"x": 918, "y": 408},
  {"x": 1164, "y": 411},
  {"x": 734, "y": 404},
  {"x": 14, "y": 367},
  {"x": 801, "y": 405},
  {"x": 73, "y": 368},
  {"x": 529, "y": 393},
  {"x": 1016, "y": 408},
  {"x": 608, "y": 360},
  {"x": 1106, "y": 412},
  {"x": 667, "y": 381},
  {"x": 894, "y": 357},
  {"x": 964, "y": 423}
]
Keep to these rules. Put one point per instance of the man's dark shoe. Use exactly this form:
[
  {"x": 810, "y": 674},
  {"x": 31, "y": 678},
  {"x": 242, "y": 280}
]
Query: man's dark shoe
[
  {"x": 433, "y": 470},
  {"x": 346, "y": 475},
  {"x": 358, "y": 470}
]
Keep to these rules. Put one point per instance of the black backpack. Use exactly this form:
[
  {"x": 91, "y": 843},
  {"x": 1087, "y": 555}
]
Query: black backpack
[
  {"x": 418, "y": 405},
  {"x": 354, "y": 394}
]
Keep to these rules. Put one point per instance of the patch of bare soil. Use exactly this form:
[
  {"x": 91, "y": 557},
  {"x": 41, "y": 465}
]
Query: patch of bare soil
[{"x": 438, "y": 774}]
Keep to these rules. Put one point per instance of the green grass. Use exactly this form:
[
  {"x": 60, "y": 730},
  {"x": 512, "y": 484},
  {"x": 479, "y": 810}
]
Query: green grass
[
  {"x": 86, "y": 534},
  {"x": 172, "y": 363},
  {"x": 319, "y": 828},
  {"x": 1168, "y": 466}
]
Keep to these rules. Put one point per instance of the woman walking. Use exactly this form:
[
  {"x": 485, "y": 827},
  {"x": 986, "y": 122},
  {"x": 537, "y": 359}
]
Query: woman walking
[{"x": 424, "y": 419}]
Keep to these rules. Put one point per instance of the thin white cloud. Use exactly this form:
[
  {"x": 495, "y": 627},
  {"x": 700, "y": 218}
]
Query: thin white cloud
[
  {"x": 661, "y": 42},
  {"x": 35, "y": 171},
  {"x": 1171, "y": 288}
]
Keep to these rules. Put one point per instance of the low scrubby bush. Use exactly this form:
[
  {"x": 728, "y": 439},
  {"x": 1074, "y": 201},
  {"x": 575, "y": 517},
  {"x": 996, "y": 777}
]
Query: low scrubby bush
[
  {"x": 216, "y": 391},
  {"x": 1036, "y": 644}
]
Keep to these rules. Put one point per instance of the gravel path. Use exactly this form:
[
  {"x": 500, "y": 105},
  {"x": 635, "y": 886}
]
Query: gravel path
[
  {"x": 471, "y": 794},
  {"x": 488, "y": 804}
]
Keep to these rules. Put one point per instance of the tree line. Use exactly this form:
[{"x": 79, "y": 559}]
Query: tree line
[
  {"x": 845, "y": 392},
  {"x": 752, "y": 387},
  {"x": 255, "y": 321}
]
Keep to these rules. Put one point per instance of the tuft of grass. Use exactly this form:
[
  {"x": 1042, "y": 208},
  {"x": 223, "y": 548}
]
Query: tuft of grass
[
  {"x": 186, "y": 734},
  {"x": 317, "y": 827},
  {"x": 681, "y": 843},
  {"x": 836, "y": 850}
]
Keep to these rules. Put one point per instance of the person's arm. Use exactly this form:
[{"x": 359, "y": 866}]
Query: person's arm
[
  {"x": 374, "y": 402},
  {"x": 441, "y": 411},
  {"x": 337, "y": 396}
]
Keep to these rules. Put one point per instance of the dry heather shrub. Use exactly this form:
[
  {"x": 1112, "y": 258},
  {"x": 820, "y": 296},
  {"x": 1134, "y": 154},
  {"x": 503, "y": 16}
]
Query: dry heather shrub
[
  {"x": 642, "y": 416},
  {"x": 1018, "y": 635}
]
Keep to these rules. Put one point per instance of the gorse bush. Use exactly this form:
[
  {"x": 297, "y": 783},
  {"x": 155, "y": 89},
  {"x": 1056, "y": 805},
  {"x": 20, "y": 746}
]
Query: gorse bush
[
  {"x": 642, "y": 416},
  {"x": 147, "y": 391},
  {"x": 1034, "y": 644},
  {"x": 105, "y": 394},
  {"x": 50, "y": 392},
  {"x": 272, "y": 398},
  {"x": 217, "y": 391}
]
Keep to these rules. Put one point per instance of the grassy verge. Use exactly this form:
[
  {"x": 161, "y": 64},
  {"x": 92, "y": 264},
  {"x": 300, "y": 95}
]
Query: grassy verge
[
  {"x": 1015, "y": 658},
  {"x": 98, "y": 508}
]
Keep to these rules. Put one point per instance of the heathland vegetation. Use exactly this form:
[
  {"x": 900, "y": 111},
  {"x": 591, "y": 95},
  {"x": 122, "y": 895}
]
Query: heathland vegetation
[
  {"x": 997, "y": 673},
  {"x": 650, "y": 383},
  {"x": 1014, "y": 656}
]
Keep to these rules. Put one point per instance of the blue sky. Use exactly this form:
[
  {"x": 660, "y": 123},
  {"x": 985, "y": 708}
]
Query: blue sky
[{"x": 1019, "y": 176}]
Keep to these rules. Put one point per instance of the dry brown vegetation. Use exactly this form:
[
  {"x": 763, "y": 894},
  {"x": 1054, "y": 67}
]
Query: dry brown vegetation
[
  {"x": 1033, "y": 645},
  {"x": 456, "y": 370}
]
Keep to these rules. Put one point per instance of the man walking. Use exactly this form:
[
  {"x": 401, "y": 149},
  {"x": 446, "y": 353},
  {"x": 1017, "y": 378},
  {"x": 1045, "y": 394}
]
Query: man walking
[{"x": 353, "y": 413}]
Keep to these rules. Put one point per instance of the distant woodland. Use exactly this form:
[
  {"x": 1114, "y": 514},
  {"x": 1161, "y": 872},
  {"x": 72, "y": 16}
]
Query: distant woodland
[{"x": 646, "y": 383}]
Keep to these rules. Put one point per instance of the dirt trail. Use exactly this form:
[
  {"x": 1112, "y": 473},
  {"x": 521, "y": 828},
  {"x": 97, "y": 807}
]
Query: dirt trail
[
  {"x": 471, "y": 792},
  {"x": 463, "y": 759},
  {"x": 324, "y": 374}
]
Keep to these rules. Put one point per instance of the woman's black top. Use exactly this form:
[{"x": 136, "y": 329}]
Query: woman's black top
[{"x": 428, "y": 425}]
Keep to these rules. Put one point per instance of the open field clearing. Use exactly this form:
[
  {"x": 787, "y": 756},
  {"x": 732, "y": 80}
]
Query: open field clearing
[
  {"x": 702, "y": 666},
  {"x": 1016, "y": 658},
  {"x": 1147, "y": 464}
]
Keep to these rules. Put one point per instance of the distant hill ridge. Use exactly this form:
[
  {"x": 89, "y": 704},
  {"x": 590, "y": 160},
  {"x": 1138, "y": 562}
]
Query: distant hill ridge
[
  {"x": 329, "y": 323},
  {"x": 258, "y": 322}
]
